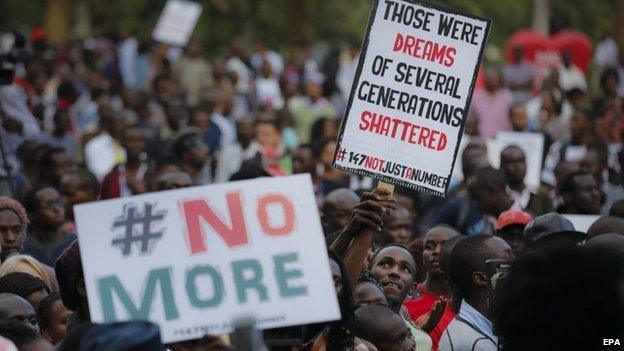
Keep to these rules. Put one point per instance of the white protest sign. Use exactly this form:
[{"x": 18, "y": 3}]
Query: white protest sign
[
  {"x": 410, "y": 95},
  {"x": 177, "y": 21},
  {"x": 582, "y": 222},
  {"x": 533, "y": 146},
  {"x": 192, "y": 260}
]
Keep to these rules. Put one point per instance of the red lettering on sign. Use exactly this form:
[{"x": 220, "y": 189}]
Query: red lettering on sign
[
  {"x": 287, "y": 208},
  {"x": 197, "y": 210}
]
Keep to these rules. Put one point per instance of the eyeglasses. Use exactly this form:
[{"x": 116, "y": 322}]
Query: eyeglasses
[{"x": 50, "y": 204}]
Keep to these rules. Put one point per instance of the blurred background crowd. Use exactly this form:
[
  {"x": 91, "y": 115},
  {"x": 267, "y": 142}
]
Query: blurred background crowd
[{"x": 97, "y": 110}]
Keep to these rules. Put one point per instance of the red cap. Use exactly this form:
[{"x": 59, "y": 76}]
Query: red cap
[
  {"x": 512, "y": 217},
  {"x": 37, "y": 33}
]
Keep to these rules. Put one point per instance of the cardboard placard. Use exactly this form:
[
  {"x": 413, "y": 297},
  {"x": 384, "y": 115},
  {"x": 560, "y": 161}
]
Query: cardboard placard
[
  {"x": 410, "y": 96},
  {"x": 192, "y": 260},
  {"x": 177, "y": 22},
  {"x": 582, "y": 222}
]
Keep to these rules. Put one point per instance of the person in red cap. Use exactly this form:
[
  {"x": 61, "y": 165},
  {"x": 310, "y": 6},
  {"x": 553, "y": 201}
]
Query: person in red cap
[{"x": 510, "y": 226}]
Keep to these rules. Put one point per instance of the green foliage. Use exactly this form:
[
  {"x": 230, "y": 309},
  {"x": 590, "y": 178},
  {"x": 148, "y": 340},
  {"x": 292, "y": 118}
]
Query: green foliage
[{"x": 282, "y": 22}]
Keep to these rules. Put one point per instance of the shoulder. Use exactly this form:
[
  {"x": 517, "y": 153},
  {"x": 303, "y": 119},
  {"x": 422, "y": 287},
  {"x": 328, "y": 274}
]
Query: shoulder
[{"x": 460, "y": 336}]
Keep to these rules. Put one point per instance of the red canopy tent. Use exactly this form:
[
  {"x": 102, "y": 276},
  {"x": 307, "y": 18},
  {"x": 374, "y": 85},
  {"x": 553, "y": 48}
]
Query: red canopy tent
[{"x": 534, "y": 44}]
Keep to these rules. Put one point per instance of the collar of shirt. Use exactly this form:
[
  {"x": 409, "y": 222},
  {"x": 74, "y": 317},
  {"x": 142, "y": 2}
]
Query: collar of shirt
[
  {"x": 521, "y": 199},
  {"x": 477, "y": 320}
]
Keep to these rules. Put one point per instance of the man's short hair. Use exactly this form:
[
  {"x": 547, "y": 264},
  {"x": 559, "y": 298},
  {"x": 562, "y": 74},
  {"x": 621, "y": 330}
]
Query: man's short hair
[
  {"x": 370, "y": 320},
  {"x": 510, "y": 147},
  {"x": 184, "y": 142},
  {"x": 568, "y": 181},
  {"x": 468, "y": 256},
  {"x": 30, "y": 200},
  {"x": 371, "y": 264},
  {"x": 87, "y": 181},
  {"x": 488, "y": 178}
]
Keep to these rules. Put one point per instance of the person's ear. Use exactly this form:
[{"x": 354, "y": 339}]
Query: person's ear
[{"x": 479, "y": 279}]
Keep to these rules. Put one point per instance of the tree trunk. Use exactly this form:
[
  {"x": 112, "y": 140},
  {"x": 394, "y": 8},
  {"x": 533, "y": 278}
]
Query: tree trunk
[
  {"x": 541, "y": 16},
  {"x": 57, "y": 21},
  {"x": 297, "y": 19}
]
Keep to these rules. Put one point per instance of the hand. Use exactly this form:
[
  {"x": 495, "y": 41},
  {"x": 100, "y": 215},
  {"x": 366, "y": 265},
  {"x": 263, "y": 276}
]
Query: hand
[
  {"x": 138, "y": 186},
  {"x": 370, "y": 211},
  {"x": 430, "y": 320}
]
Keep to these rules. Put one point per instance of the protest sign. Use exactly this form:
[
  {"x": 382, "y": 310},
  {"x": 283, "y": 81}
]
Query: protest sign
[
  {"x": 582, "y": 222},
  {"x": 410, "y": 95},
  {"x": 192, "y": 260},
  {"x": 531, "y": 143},
  {"x": 177, "y": 21}
]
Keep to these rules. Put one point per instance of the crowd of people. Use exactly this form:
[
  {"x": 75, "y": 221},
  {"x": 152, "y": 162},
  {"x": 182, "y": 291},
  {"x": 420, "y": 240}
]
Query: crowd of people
[{"x": 495, "y": 264}]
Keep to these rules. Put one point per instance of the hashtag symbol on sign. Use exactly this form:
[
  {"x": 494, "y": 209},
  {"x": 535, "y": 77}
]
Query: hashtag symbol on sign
[
  {"x": 133, "y": 219},
  {"x": 340, "y": 155}
]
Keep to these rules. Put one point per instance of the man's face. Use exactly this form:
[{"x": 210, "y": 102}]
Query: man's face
[
  {"x": 12, "y": 233},
  {"x": 302, "y": 160},
  {"x": 59, "y": 318},
  {"x": 518, "y": 117},
  {"x": 314, "y": 90},
  {"x": 586, "y": 196},
  {"x": 397, "y": 227},
  {"x": 245, "y": 131},
  {"x": 592, "y": 163},
  {"x": 336, "y": 214},
  {"x": 498, "y": 249},
  {"x": 198, "y": 154},
  {"x": 397, "y": 338},
  {"x": 434, "y": 240},
  {"x": 492, "y": 81},
  {"x": 35, "y": 298},
  {"x": 485, "y": 199},
  {"x": 17, "y": 309},
  {"x": 268, "y": 136},
  {"x": 201, "y": 120},
  {"x": 395, "y": 269},
  {"x": 513, "y": 163},
  {"x": 578, "y": 124},
  {"x": 72, "y": 194},
  {"x": 61, "y": 163},
  {"x": 327, "y": 155},
  {"x": 513, "y": 236},
  {"x": 134, "y": 142},
  {"x": 368, "y": 293},
  {"x": 336, "y": 276},
  {"x": 50, "y": 209}
]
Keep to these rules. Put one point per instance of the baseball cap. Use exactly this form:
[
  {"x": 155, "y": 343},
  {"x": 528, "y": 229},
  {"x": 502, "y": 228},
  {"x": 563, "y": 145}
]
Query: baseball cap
[
  {"x": 513, "y": 217},
  {"x": 551, "y": 225},
  {"x": 122, "y": 336}
]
